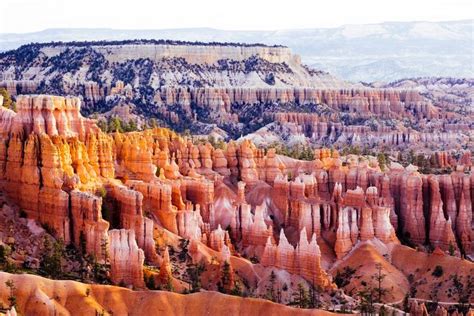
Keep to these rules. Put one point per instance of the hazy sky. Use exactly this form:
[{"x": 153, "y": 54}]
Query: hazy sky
[{"x": 18, "y": 16}]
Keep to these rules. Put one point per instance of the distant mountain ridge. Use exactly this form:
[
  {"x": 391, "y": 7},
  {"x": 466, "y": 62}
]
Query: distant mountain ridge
[{"x": 373, "y": 52}]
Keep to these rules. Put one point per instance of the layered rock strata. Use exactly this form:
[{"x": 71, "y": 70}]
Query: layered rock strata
[
  {"x": 126, "y": 259},
  {"x": 79, "y": 182}
]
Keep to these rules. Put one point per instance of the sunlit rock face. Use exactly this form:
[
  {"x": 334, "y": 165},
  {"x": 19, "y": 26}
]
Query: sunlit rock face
[
  {"x": 123, "y": 195},
  {"x": 51, "y": 115},
  {"x": 126, "y": 259},
  {"x": 261, "y": 92}
]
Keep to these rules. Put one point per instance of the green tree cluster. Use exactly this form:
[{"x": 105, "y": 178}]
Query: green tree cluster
[
  {"x": 150, "y": 282},
  {"x": 438, "y": 271},
  {"x": 7, "y": 100},
  {"x": 225, "y": 283},
  {"x": 50, "y": 263},
  {"x": 305, "y": 298},
  {"x": 301, "y": 297},
  {"x": 370, "y": 295},
  {"x": 382, "y": 160},
  {"x": 352, "y": 150},
  {"x": 218, "y": 144},
  {"x": 343, "y": 277},
  {"x": 116, "y": 124},
  {"x": 424, "y": 164},
  {"x": 297, "y": 152},
  {"x": 194, "y": 273},
  {"x": 271, "y": 288}
]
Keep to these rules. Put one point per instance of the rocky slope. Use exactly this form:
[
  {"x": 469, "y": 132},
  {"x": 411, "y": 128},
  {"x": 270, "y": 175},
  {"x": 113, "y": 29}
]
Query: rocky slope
[
  {"x": 40, "y": 296},
  {"x": 372, "y": 52},
  {"x": 231, "y": 90},
  {"x": 446, "y": 91},
  {"x": 162, "y": 63},
  {"x": 253, "y": 220}
]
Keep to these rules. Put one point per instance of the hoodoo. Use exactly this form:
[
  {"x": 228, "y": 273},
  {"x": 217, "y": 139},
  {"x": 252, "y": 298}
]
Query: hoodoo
[{"x": 279, "y": 182}]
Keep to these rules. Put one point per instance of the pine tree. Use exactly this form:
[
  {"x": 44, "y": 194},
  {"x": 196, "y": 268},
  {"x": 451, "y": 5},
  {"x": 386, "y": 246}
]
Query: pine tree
[
  {"x": 103, "y": 248},
  {"x": 382, "y": 161},
  {"x": 50, "y": 263},
  {"x": 115, "y": 125},
  {"x": 7, "y": 100},
  {"x": 82, "y": 243},
  {"x": 379, "y": 277},
  {"x": 194, "y": 273},
  {"x": 366, "y": 301},
  {"x": 271, "y": 288},
  {"x": 102, "y": 124},
  {"x": 11, "y": 298},
  {"x": 152, "y": 123},
  {"x": 225, "y": 283},
  {"x": 132, "y": 126},
  {"x": 300, "y": 297}
]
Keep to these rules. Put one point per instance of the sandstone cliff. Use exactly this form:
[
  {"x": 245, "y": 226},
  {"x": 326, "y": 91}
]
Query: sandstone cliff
[
  {"x": 233, "y": 89},
  {"x": 145, "y": 191}
]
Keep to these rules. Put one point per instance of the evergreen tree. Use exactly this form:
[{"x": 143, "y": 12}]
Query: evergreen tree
[
  {"x": 379, "y": 277},
  {"x": 271, "y": 288},
  {"x": 406, "y": 303},
  {"x": 103, "y": 248},
  {"x": 102, "y": 124},
  {"x": 150, "y": 282},
  {"x": 300, "y": 297},
  {"x": 382, "y": 161},
  {"x": 314, "y": 298},
  {"x": 366, "y": 301},
  {"x": 169, "y": 284},
  {"x": 82, "y": 243},
  {"x": 50, "y": 263},
  {"x": 132, "y": 126},
  {"x": 237, "y": 289},
  {"x": 11, "y": 298},
  {"x": 225, "y": 285},
  {"x": 194, "y": 273},
  {"x": 7, "y": 100},
  {"x": 212, "y": 140},
  {"x": 115, "y": 125},
  {"x": 152, "y": 123}
]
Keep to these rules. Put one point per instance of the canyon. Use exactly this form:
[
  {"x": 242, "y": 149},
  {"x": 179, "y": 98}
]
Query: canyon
[
  {"x": 148, "y": 176},
  {"x": 386, "y": 51},
  {"x": 229, "y": 91},
  {"x": 152, "y": 204}
]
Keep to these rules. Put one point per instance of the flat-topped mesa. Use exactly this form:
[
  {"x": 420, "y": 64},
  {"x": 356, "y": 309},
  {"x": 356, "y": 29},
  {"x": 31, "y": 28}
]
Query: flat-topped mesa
[
  {"x": 210, "y": 65},
  {"x": 52, "y": 115},
  {"x": 194, "y": 53}
]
